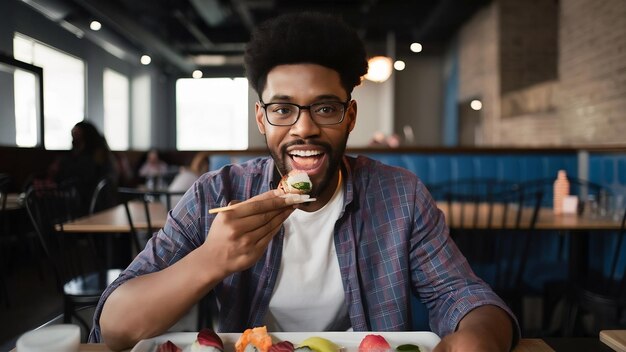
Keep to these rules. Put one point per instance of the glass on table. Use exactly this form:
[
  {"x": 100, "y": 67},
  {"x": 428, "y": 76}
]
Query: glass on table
[
  {"x": 618, "y": 207},
  {"x": 591, "y": 205}
]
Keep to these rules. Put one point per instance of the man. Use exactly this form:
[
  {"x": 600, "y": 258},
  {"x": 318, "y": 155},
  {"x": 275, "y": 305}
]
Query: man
[{"x": 349, "y": 260}]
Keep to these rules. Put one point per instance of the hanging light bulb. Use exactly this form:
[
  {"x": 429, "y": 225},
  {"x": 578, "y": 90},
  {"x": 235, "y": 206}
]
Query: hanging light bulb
[
  {"x": 380, "y": 68},
  {"x": 145, "y": 59}
]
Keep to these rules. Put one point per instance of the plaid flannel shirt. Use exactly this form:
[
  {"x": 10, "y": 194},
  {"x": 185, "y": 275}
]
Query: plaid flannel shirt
[{"x": 391, "y": 241}]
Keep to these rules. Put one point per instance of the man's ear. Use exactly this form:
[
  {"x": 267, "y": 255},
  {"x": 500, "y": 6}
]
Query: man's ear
[
  {"x": 260, "y": 118},
  {"x": 351, "y": 115}
]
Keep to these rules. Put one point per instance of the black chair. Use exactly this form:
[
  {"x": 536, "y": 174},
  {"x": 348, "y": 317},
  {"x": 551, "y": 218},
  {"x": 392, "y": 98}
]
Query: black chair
[
  {"x": 104, "y": 195},
  {"x": 127, "y": 195},
  {"x": 601, "y": 295},
  {"x": 550, "y": 271},
  {"x": 493, "y": 224},
  {"x": 5, "y": 182},
  {"x": 69, "y": 255}
]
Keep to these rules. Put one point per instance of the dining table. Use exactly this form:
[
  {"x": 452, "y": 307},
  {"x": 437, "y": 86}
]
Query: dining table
[
  {"x": 578, "y": 226},
  {"x": 616, "y": 339},
  {"x": 14, "y": 201},
  {"x": 458, "y": 212},
  {"x": 525, "y": 345},
  {"x": 115, "y": 220}
]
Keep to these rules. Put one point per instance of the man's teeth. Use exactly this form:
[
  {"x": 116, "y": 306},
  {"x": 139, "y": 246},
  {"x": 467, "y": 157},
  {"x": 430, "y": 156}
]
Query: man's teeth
[{"x": 303, "y": 153}]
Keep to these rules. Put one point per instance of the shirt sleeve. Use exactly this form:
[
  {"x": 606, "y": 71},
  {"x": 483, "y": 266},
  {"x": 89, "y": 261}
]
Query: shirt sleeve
[
  {"x": 441, "y": 275},
  {"x": 182, "y": 233}
]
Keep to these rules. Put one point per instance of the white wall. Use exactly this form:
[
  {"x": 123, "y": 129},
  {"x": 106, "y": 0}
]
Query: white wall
[{"x": 375, "y": 111}]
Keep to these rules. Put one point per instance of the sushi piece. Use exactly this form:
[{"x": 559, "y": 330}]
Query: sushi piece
[
  {"x": 296, "y": 182},
  {"x": 374, "y": 343},
  {"x": 254, "y": 340},
  {"x": 317, "y": 344},
  {"x": 168, "y": 346},
  {"x": 283, "y": 346},
  {"x": 206, "y": 341}
]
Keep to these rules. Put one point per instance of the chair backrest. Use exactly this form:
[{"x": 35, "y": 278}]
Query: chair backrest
[
  {"x": 617, "y": 277},
  {"x": 104, "y": 196},
  {"x": 493, "y": 223},
  {"x": 473, "y": 203},
  {"x": 5, "y": 182},
  {"x": 126, "y": 195},
  {"x": 48, "y": 209}
]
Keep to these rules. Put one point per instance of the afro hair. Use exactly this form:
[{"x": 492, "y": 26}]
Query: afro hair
[{"x": 305, "y": 37}]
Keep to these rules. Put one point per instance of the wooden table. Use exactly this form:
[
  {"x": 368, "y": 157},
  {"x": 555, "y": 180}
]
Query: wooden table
[
  {"x": 14, "y": 201},
  {"x": 616, "y": 339},
  {"x": 115, "y": 220},
  {"x": 547, "y": 220},
  {"x": 525, "y": 345}
]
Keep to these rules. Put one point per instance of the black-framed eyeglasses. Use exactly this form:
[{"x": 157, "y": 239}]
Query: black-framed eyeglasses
[{"x": 322, "y": 113}]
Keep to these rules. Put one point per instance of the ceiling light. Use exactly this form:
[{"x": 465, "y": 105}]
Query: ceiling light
[
  {"x": 210, "y": 60},
  {"x": 95, "y": 25},
  {"x": 196, "y": 74},
  {"x": 379, "y": 69},
  {"x": 399, "y": 65},
  {"x": 416, "y": 47},
  {"x": 146, "y": 59},
  {"x": 476, "y": 104}
]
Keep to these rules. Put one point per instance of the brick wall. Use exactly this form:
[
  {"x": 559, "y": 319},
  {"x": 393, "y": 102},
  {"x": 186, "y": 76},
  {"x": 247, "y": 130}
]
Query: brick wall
[
  {"x": 592, "y": 71},
  {"x": 528, "y": 39},
  {"x": 478, "y": 74},
  {"x": 588, "y": 98}
]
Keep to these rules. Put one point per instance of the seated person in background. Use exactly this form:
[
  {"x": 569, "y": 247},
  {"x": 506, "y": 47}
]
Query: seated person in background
[
  {"x": 349, "y": 260},
  {"x": 188, "y": 175},
  {"x": 153, "y": 170},
  {"x": 89, "y": 161}
]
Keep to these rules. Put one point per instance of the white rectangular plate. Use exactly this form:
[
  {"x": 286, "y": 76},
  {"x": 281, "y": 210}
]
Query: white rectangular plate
[{"x": 426, "y": 340}]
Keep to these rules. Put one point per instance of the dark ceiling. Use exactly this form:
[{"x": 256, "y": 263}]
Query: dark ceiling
[{"x": 177, "y": 31}]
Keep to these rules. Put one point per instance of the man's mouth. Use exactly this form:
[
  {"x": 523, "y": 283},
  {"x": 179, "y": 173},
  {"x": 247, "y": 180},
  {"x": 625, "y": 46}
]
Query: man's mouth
[{"x": 308, "y": 160}]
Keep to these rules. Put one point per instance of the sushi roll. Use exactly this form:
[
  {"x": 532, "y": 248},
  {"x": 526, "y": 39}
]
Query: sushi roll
[
  {"x": 206, "y": 341},
  {"x": 254, "y": 340},
  {"x": 296, "y": 182},
  {"x": 283, "y": 346},
  {"x": 168, "y": 346},
  {"x": 317, "y": 344},
  {"x": 374, "y": 343}
]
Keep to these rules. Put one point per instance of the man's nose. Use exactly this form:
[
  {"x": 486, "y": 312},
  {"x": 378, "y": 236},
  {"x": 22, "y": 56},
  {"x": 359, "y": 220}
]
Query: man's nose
[{"x": 305, "y": 127}]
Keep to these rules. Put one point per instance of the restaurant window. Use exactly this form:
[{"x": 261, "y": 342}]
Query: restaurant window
[
  {"x": 212, "y": 114},
  {"x": 64, "y": 93},
  {"x": 116, "y": 109}
]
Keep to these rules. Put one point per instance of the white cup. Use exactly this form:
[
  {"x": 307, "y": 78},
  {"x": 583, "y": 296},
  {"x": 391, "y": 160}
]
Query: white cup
[{"x": 53, "y": 338}]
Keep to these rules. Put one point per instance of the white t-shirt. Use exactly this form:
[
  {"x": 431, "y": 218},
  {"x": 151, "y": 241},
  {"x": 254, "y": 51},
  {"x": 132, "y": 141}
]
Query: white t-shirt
[{"x": 309, "y": 294}]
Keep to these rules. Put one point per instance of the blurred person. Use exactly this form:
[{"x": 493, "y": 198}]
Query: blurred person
[
  {"x": 154, "y": 170},
  {"x": 153, "y": 166},
  {"x": 188, "y": 175},
  {"x": 89, "y": 161}
]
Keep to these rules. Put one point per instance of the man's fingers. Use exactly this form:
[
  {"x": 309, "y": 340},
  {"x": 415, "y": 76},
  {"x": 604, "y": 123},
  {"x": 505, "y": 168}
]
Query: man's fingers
[{"x": 264, "y": 234}]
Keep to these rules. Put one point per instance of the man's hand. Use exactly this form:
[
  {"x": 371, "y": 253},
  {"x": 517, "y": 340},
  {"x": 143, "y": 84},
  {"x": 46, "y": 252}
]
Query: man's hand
[
  {"x": 238, "y": 237},
  {"x": 484, "y": 329}
]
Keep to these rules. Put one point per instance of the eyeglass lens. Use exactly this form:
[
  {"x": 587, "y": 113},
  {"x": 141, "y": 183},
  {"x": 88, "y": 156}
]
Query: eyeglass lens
[{"x": 324, "y": 113}]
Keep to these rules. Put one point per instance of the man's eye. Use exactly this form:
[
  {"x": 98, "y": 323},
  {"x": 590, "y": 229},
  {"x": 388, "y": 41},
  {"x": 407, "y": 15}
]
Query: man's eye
[
  {"x": 326, "y": 109},
  {"x": 282, "y": 110}
]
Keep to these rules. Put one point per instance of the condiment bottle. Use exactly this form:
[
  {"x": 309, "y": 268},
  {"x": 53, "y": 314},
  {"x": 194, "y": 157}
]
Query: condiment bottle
[{"x": 560, "y": 191}]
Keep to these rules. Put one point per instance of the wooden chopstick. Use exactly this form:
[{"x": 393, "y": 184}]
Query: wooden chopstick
[
  {"x": 221, "y": 209},
  {"x": 231, "y": 207}
]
